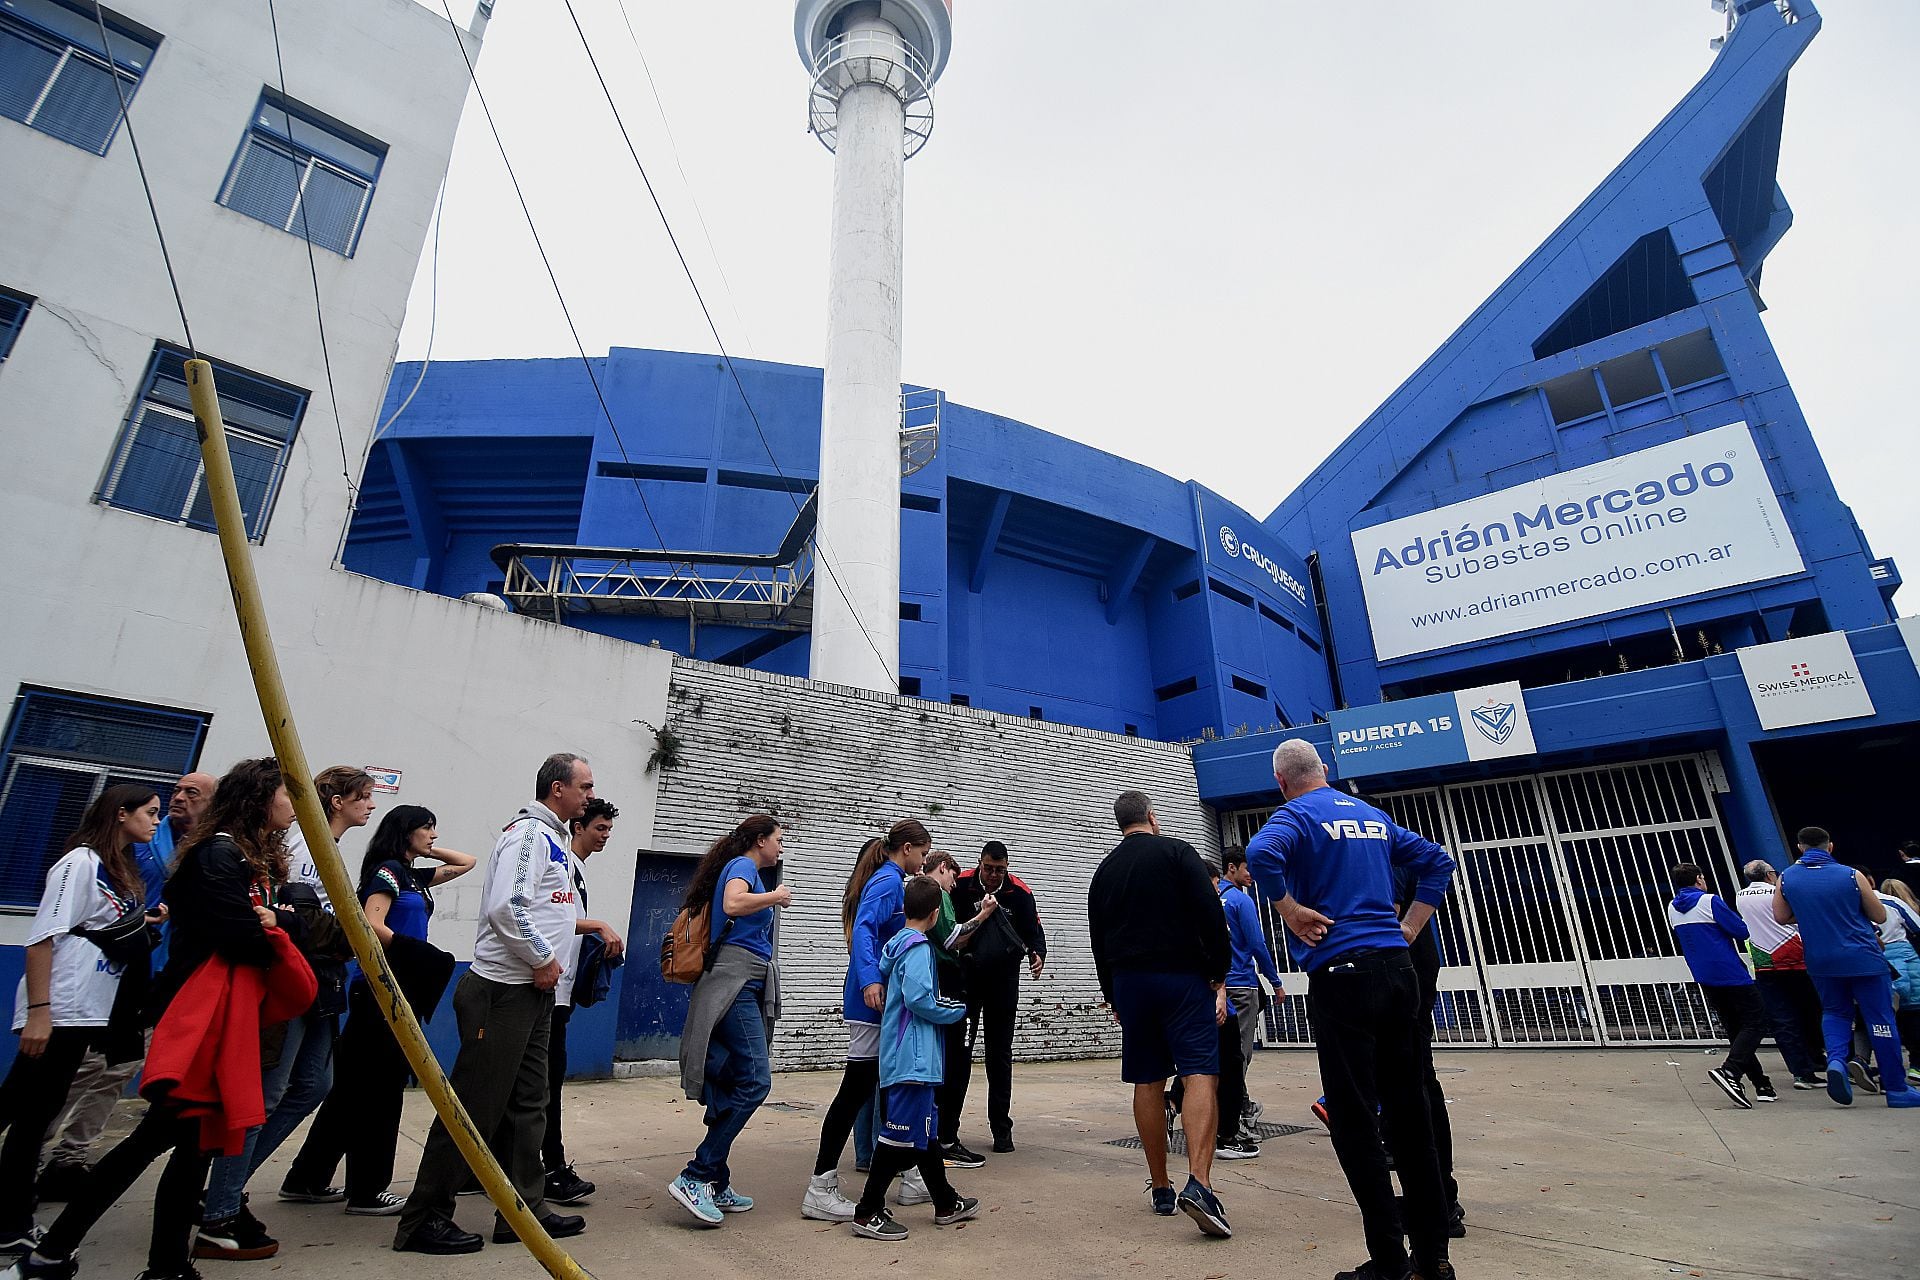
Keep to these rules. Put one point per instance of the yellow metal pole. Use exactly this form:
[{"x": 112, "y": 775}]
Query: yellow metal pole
[{"x": 272, "y": 693}]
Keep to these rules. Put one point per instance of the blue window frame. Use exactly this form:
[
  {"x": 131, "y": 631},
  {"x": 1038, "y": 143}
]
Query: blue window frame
[
  {"x": 62, "y": 750},
  {"x": 304, "y": 173},
  {"x": 13, "y": 315},
  {"x": 56, "y": 75},
  {"x": 155, "y": 468}
]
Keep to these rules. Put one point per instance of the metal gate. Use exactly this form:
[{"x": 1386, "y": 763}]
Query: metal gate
[{"x": 1554, "y": 931}]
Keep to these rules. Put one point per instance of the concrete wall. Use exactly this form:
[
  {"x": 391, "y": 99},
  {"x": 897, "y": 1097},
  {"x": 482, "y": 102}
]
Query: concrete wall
[{"x": 840, "y": 765}]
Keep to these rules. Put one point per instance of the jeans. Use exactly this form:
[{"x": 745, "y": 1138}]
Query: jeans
[
  {"x": 739, "y": 1077},
  {"x": 292, "y": 1091},
  {"x": 1365, "y": 1010},
  {"x": 1745, "y": 1018},
  {"x": 175, "y": 1201},
  {"x": 32, "y": 1095},
  {"x": 1874, "y": 997},
  {"x": 1794, "y": 1006}
]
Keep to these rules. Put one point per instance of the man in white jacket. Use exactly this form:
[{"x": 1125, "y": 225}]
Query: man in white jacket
[{"x": 504, "y": 1004}]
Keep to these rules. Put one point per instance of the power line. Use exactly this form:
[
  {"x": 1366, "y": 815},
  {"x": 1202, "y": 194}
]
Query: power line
[
  {"x": 826, "y": 560},
  {"x": 153, "y": 211},
  {"x": 526, "y": 212},
  {"x": 313, "y": 272},
  {"x": 433, "y": 318}
]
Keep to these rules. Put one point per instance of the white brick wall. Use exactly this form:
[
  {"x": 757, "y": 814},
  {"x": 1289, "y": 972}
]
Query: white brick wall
[{"x": 839, "y": 766}]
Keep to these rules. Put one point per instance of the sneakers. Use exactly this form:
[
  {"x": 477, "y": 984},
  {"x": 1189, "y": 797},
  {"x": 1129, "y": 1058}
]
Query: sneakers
[
  {"x": 564, "y": 1186},
  {"x": 697, "y": 1199},
  {"x": 1456, "y": 1222},
  {"x": 439, "y": 1236},
  {"x": 1441, "y": 1271},
  {"x": 958, "y": 1157},
  {"x": 965, "y": 1207},
  {"x": 913, "y": 1190},
  {"x": 879, "y": 1226},
  {"x": 184, "y": 1273},
  {"x": 1862, "y": 1078},
  {"x": 60, "y": 1179},
  {"x": 1367, "y": 1271},
  {"x": 1764, "y": 1092},
  {"x": 33, "y": 1267},
  {"x": 1913, "y": 1077},
  {"x": 1238, "y": 1149},
  {"x": 1806, "y": 1082},
  {"x": 240, "y": 1238},
  {"x": 1837, "y": 1087},
  {"x": 1204, "y": 1207},
  {"x": 23, "y": 1241},
  {"x": 557, "y": 1225},
  {"x": 312, "y": 1195},
  {"x": 1729, "y": 1084},
  {"x": 823, "y": 1201},
  {"x": 727, "y": 1200},
  {"x": 1003, "y": 1144},
  {"x": 384, "y": 1205},
  {"x": 1903, "y": 1098},
  {"x": 1165, "y": 1202},
  {"x": 1319, "y": 1109}
]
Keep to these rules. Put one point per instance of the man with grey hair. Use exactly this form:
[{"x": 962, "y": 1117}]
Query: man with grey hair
[
  {"x": 1326, "y": 861},
  {"x": 1780, "y": 968},
  {"x": 504, "y": 1005}
]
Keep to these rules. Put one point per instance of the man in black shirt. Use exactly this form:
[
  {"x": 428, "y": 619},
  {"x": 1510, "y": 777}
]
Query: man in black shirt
[
  {"x": 1161, "y": 950},
  {"x": 992, "y": 964}
]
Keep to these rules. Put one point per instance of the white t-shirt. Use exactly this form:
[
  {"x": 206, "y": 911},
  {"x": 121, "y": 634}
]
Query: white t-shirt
[
  {"x": 300, "y": 868},
  {"x": 83, "y": 981},
  {"x": 569, "y": 948},
  {"x": 1894, "y": 927}
]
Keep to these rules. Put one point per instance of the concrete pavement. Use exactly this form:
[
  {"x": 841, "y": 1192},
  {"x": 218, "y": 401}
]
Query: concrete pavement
[{"x": 1619, "y": 1163}]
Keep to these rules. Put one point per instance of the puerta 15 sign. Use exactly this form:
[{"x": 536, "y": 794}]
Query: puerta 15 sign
[
  {"x": 1486, "y": 723},
  {"x": 1693, "y": 515}
]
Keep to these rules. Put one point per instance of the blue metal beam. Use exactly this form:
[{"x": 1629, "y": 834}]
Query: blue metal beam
[
  {"x": 1120, "y": 589},
  {"x": 989, "y": 539},
  {"x": 422, "y": 509}
]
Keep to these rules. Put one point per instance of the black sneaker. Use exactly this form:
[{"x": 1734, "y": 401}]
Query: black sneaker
[
  {"x": 438, "y": 1235},
  {"x": 958, "y": 1157},
  {"x": 1729, "y": 1084},
  {"x": 184, "y": 1273},
  {"x": 1204, "y": 1207},
  {"x": 1862, "y": 1076},
  {"x": 564, "y": 1186},
  {"x": 241, "y": 1238},
  {"x": 1166, "y": 1202},
  {"x": 1002, "y": 1144},
  {"x": 879, "y": 1225},
  {"x": 1456, "y": 1222},
  {"x": 964, "y": 1208},
  {"x": 1239, "y": 1149},
  {"x": 557, "y": 1225},
  {"x": 1764, "y": 1092},
  {"x": 1367, "y": 1271},
  {"x": 22, "y": 1241},
  {"x": 1808, "y": 1082},
  {"x": 33, "y": 1267},
  {"x": 312, "y": 1195},
  {"x": 60, "y": 1179}
]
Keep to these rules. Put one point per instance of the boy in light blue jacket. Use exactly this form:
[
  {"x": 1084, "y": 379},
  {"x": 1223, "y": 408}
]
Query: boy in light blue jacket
[{"x": 911, "y": 1069}]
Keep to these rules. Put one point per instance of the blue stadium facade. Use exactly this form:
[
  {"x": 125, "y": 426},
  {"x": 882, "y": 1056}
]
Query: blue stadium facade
[{"x": 1044, "y": 578}]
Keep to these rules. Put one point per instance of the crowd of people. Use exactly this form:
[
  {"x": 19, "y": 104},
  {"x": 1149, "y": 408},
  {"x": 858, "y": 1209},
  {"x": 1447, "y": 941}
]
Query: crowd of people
[{"x": 198, "y": 948}]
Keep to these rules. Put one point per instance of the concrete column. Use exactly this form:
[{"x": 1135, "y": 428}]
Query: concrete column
[{"x": 856, "y": 618}]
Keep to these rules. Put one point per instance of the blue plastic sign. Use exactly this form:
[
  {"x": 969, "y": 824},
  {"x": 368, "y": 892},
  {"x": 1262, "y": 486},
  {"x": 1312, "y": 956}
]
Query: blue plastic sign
[{"x": 1487, "y": 723}]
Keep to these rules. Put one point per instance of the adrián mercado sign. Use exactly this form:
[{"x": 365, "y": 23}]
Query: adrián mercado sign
[{"x": 1675, "y": 520}]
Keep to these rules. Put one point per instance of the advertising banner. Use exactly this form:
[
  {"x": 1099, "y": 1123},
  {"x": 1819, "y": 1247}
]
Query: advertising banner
[
  {"x": 1486, "y": 723},
  {"x": 1678, "y": 519},
  {"x": 1807, "y": 681},
  {"x": 1236, "y": 545}
]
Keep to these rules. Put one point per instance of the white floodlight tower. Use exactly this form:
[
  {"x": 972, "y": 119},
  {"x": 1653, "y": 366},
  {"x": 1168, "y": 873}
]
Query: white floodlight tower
[{"x": 873, "y": 64}]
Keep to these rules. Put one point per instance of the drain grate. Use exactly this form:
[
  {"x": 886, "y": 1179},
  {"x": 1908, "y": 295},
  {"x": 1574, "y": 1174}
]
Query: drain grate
[{"x": 1177, "y": 1144}]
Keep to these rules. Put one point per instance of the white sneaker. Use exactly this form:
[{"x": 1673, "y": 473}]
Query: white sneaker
[
  {"x": 823, "y": 1202},
  {"x": 913, "y": 1189}
]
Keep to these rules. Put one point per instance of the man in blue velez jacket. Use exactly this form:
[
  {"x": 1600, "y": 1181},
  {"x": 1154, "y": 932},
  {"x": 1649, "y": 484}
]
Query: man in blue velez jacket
[
  {"x": 912, "y": 1065},
  {"x": 1710, "y": 934},
  {"x": 1251, "y": 959},
  {"x": 1325, "y": 861}
]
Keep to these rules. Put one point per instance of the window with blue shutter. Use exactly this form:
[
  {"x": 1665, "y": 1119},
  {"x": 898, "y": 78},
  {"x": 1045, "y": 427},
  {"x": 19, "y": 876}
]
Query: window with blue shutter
[
  {"x": 57, "y": 76},
  {"x": 310, "y": 176},
  {"x": 61, "y": 751},
  {"x": 155, "y": 468},
  {"x": 13, "y": 315}
]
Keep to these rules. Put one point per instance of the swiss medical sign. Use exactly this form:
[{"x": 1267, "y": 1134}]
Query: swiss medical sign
[
  {"x": 1487, "y": 723},
  {"x": 1693, "y": 515},
  {"x": 1236, "y": 545},
  {"x": 1811, "y": 680}
]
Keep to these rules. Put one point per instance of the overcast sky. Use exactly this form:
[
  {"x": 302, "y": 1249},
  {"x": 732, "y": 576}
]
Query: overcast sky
[{"x": 1208, "y": 237}]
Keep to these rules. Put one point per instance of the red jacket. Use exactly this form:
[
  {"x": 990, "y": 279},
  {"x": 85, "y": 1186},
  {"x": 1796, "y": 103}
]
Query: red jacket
[{"x": 205, "y": 1056}]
